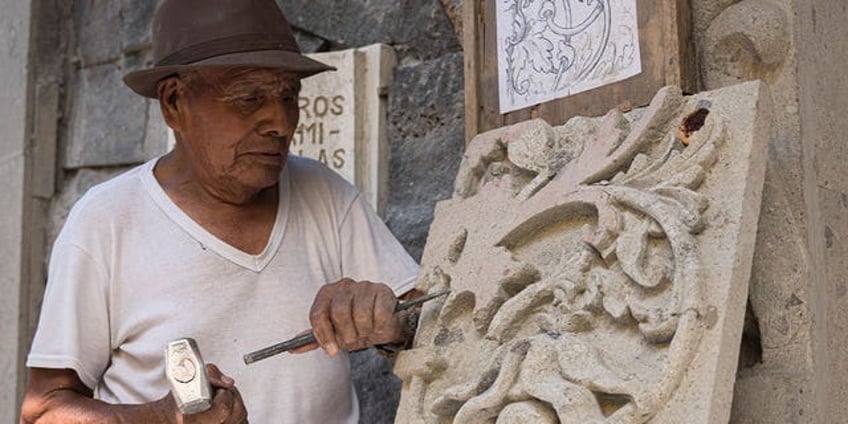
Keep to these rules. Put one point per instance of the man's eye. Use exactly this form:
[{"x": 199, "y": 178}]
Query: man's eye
[
  {"x": 250, "y": 99},
  {"x": 288, "y": 98}
]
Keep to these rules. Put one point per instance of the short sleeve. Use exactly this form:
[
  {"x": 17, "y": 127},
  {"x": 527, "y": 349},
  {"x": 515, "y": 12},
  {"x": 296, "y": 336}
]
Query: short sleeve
[
  {"x": 73, "y": 330},
  {"x": 370, "y": 252}
]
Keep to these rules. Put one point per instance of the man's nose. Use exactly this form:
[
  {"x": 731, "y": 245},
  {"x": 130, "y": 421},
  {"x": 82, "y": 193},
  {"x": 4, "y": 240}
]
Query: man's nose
[{"x": 279, "y": 118}]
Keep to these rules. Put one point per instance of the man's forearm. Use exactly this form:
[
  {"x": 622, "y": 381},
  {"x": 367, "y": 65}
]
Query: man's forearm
[{"x": 70, "y": 407}]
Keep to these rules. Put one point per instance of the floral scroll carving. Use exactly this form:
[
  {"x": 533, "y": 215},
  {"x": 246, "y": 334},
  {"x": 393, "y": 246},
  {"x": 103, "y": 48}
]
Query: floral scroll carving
[{"x": 574, "y": 263}]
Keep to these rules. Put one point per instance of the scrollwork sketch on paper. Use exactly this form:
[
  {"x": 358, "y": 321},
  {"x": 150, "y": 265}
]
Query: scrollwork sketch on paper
[{"x": 550, "y": 49}]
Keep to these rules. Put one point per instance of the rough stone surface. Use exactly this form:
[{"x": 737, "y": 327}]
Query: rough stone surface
[
  {"x": 417, "y": 28},
  {"x": 426, "y": 136},
  {"x": 749, "y": 40},
  {"x": 377, "y": 388},
  {"x": 781, "y": 391},
  {"x": 98, "y": 25},
  {"x": 602, "y": 282},
  {"x": 309, "y": 43},
  {"x": 821, "y": 42},
  {"x": 108, "y": 120},
  {"x": 136, "y": 16},
  {"x": 157, "y": 134},
  {"x": 453, "y": 8},
  {"x": 108, "y": 29}
]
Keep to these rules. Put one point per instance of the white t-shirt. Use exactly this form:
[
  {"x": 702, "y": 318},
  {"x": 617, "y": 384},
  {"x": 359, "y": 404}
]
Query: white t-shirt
[{"x": 130, "y": 272}]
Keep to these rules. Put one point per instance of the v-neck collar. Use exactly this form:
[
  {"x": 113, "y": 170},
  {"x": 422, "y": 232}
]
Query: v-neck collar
[{"x": 208, "y": 240}]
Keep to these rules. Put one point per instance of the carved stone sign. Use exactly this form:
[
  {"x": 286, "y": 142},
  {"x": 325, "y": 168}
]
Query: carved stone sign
[
  {"x": 598, "y": 270},
  {"x": 342, "y": 117},
  {"x": 329, "y": 111}
]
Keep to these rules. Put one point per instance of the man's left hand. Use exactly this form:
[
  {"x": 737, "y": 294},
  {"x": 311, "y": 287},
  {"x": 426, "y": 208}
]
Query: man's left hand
[{"x": 353, "y": 315}]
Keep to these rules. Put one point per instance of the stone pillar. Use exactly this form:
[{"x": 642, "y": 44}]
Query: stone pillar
[
  {"x": 14, "y": 52},
  {"x": 792, "y": 361},
  {"x": 821, "y": 42}
]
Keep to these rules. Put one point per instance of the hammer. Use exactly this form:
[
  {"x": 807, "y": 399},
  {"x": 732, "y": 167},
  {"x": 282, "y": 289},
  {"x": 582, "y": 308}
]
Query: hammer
[{"x": 186, "y": 374}]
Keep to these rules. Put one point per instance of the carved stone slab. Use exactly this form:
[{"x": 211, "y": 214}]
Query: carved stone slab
[
  {"x": 598, "y": 270},
  {"x": 343, "y": 118}
]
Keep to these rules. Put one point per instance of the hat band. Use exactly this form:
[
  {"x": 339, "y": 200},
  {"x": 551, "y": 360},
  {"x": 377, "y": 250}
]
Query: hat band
[{"x": 235, "y": 44}]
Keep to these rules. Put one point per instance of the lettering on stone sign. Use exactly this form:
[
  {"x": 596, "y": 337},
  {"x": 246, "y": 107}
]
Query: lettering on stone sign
[
  {"x": 321, "y": 106},
  {"x": 337, "y": 158},
  {"x": 317, "y": 135}
]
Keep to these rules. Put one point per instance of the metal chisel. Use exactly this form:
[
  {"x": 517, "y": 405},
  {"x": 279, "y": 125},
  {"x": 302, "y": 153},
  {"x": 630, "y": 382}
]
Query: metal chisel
[{"x": 305, "y": 339}]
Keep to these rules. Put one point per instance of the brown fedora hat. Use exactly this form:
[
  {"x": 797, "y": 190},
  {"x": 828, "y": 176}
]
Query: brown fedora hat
[{"x": 204, "y": 33}]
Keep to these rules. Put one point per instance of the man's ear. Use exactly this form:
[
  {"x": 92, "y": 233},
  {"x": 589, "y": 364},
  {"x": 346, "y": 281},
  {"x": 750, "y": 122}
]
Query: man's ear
[{"x": 171, "y": 94}]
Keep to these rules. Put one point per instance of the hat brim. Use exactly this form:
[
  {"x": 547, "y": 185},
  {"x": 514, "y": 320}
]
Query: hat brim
[{"x": 145, "y": 82}]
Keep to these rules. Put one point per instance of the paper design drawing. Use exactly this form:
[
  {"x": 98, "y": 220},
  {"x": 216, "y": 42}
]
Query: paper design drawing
[{"x": 550, "y": 49}]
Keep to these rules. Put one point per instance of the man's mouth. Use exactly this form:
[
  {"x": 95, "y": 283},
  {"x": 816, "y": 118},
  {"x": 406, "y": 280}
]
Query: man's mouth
[{"x": 271, "y": 158}]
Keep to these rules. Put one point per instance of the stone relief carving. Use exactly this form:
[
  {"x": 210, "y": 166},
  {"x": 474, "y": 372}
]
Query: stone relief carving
[
  {"x": 747, "y": 40},
  {"x": 575, "y": 267}
]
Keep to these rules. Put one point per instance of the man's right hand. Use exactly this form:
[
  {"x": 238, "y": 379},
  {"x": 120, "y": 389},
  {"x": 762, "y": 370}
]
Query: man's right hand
[
  {"x": 59, "y": 396},
  {"x": 227, "y": 404}
]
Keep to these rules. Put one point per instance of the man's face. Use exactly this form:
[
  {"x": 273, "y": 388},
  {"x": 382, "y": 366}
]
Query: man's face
[{"x": 238, "y": 125}]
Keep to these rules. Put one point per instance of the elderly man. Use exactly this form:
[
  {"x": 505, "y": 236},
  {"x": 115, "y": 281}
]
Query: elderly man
[{"x": 225, "y": 239}]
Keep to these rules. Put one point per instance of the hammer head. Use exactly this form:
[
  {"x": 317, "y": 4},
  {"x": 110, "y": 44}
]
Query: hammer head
[{"x": 186, "y": 374}]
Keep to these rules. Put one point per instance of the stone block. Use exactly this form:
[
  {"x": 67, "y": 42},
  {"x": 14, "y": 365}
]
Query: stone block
[
  {"x": 453, "y": 8},
  {"x": 107, "y": 29},
  {"x": 748, "y": 40},
  {"x": 377, "y": 388},
  {"x": 417, "y": 28},
  {"x": 426, "y": 141},
  {"x": 598, "y": 271},
  {"x": 834, "y": 215},
  {"x": 107, "y": 122},
  {"x": 331, "y": 109},
  {"x": 343, "y": 118},
  {"x": 309, "y": 43},
  {"x": 98, "y": 25},
  {"x": 779, "y": 299},
  {"x": 136, "y": 19},
  {"x": 44, "y": 139},
  {"x": 781, "y": 394},
  {"x": 158, "y": 138}
]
